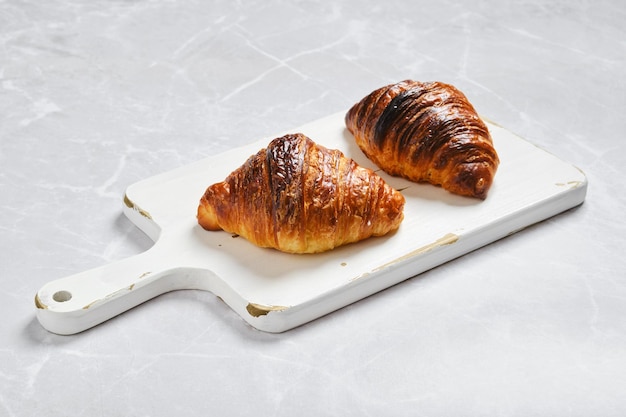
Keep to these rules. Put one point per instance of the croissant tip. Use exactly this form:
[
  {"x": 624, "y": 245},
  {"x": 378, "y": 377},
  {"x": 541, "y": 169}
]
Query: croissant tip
[
  {"x": 480, "y": 188},
  {"x": 207, "y": 217}
]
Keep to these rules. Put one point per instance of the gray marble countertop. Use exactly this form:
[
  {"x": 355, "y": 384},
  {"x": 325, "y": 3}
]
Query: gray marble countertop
[{"x": 95, "y": 96}]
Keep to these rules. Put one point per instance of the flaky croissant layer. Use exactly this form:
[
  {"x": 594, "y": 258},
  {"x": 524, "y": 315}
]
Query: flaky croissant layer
[
  {"x": 300, "y": 197},
  {"x": 426, "y": 132}
]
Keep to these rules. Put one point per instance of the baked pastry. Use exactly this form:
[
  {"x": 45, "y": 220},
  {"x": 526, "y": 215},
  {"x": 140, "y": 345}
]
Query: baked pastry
[
  {"x": 300, "y": 197},
  {"x": 426, "y": 132}
]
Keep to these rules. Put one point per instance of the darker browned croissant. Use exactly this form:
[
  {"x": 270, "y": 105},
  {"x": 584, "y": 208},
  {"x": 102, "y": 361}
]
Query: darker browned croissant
[
  {"x": 299, "y": 197},
  {"x": 426, "y": 131}
]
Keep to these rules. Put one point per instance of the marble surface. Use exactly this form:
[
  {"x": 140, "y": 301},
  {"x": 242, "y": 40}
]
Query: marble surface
[{"x": 95, "y": 96}]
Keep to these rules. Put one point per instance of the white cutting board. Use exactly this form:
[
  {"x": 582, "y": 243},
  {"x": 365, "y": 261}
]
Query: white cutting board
[{"x": 274, "y": 291}]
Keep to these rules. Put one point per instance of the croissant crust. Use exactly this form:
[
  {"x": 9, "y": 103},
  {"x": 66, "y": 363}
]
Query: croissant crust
[
  {"x": 300, "y": 197},
  {"x": 426, "y": 132}
]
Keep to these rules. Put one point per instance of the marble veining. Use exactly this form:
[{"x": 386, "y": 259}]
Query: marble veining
[{"x": 95, "y": 96}]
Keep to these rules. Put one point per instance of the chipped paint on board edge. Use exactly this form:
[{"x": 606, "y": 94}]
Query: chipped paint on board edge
[
  {"x": 133, "y": 206},
  {"x": 447, "y": 239},
  {"x": 39, "y": 304},
  {"x": 113, "y": 294},
  {"x": 257, "y": 310},
  {"x": 571, "y": 184}
]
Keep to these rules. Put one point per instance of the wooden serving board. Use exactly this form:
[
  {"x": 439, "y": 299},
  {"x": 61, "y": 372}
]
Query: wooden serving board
[{"x": 274, "y": 291}]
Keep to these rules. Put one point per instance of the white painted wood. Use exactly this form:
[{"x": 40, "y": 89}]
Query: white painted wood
[{"x": 274, "y": 291}]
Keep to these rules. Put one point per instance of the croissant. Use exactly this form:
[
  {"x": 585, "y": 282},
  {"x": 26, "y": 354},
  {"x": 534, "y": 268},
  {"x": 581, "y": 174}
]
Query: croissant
[
  {"x": 300, "y": 197},
  {"x": 426, "y": 132}
]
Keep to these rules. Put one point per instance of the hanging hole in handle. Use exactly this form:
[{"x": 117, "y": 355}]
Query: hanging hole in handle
[{"x": 62, "y": 296}]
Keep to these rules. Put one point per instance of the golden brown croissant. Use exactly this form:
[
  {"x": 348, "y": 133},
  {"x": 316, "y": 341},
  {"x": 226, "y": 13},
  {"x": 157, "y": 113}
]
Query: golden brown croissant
[
  {"x": 426, "y": 131},
  {"x": 299, "y": 197}
]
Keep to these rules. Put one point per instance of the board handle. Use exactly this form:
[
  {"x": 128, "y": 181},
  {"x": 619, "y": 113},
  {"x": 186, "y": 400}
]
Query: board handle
[{"x": 78, "y": 302}]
